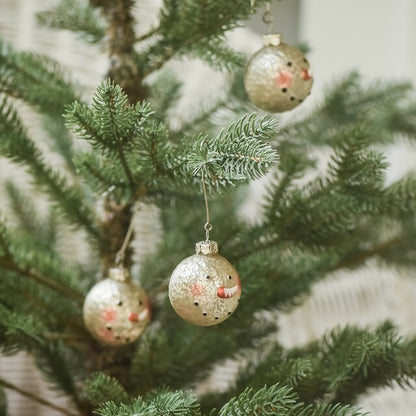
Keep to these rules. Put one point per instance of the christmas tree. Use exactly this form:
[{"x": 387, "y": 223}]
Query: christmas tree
[{"x": 121, "y": 151}]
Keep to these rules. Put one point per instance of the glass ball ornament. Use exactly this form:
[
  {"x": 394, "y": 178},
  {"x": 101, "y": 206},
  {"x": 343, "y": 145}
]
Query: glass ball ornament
[
  {"x": 116, "y": 310},
  {"x": 205, "y": 288},
  {"x": 277, "y": 77}
]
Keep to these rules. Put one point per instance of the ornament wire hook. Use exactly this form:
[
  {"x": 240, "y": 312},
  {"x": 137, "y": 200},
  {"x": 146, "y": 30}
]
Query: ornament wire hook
[
  {"x": 208, "y": 225},
  {"x": 268, "y": 18},
  {"x": 122, "y": 252}
]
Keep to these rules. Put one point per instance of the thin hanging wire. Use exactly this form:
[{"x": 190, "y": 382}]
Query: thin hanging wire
[
  {"x": 268, "y": 18},
  {"x": 208, "y": 225},
  {"x": 122, "y": 252}
]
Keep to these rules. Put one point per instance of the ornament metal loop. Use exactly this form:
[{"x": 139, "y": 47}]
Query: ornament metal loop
[
  {"x": 268, "y": 18},
  {"x": 207, "y": 228}
]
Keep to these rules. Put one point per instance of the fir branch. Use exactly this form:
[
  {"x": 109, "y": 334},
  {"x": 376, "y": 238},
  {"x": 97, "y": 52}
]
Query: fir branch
[
  {"x": 237, "y": 153},
  {"x": 385, "y": 109},
  {"x": 63, "y": 367},
  {"x": 326, "y": 207},
  {"x": 111, "y": 124},
  {"x": 35, "y": 398},
  {"x": 19, "y": 331},
  {"x": 280, "y": 400},
  {"x": 9, "y": 264},
  {"x": 217, "y": 54},
  {"x": 77, "y": 16},
  {"x": 41, "y": 231},
  {"x": 196, "y": 28},
  {"x": 101, "y": 388},
  {"x": 159, "y": 403},
  {"x": 329, "y": 410},
  {"x": 164, "y": 93},
  {"x": 266, "y": 401},
  {"x": 61, "y": 140},
  {"x": 36, "y": 79},
  {"x": 4, "y": 240},
  {"x": 17, "y": 146}
]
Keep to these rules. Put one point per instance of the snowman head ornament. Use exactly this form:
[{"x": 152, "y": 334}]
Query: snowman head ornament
[
  {"x": 116, "y": 310},
  {"x": 205, "y": 288}
]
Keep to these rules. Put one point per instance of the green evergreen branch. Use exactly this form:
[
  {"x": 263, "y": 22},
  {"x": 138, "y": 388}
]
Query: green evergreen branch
[
  {"x": 217, "y": 54},
  {"x": 41, "y": 231},
  {"x": 111, "y": 124},
  {"x": 237, "y": 153},
  {"x": 266, "y": 401},
  {"x": 328, "y": 205},
  {"x": 383, "y": 108},
  {"x": 101, "y": 388},
  {"x": 159, "y": 403},
  {"x": 9, "y": 264},
  {"x": 281, "y": 400},
  {"x": 16, "y": 145},
  {"x": 4, "y": 240},
  {"x": 195, "y": 27},
  {"x": 61, "y": 140},
  {"x": 63, "y": 367},
  {"x": 126, "y": 167},
  {"x": 35, "y": 398},
  {"x": 77, "y": 16},
  {"x": 35, "y": 79}
]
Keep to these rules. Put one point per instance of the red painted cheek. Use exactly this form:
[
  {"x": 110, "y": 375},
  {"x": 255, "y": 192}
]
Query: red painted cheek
[
  {"x": 109, "y": 315},
  {"x": 196, "y": 289},
  {"x": 284, "y": 79}
]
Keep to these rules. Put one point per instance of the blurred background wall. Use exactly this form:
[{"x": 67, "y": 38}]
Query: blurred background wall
[{"x": 375, "y": 37}]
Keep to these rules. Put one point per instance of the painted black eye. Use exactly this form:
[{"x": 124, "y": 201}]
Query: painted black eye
[
  {"x": 292, "y": 98},
  {"x": 204, "y": 313},
  {"x": 109, "y": 328},
  {"x": 284, "y": 89},
  {"x": 216, "y": 317},
  {"x": 118, "y": 337},
  {"x": 289, "y": 63},
  {"x": 229, "y": 313},
  {"x": 206, "y": 277},
  {"x": 196, "y": 303},
  {"x": 140, "y": 303},
  {"x": 230, "y": 277},
  {"x": 119, "y": 303}
]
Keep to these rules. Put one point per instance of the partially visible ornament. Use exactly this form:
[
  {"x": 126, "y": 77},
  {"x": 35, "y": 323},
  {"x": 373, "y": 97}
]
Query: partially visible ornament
[
  {"x": 116, "y": 310},
  {"x": 277, "y": 77},
  {"x": 205, "y": 288}
]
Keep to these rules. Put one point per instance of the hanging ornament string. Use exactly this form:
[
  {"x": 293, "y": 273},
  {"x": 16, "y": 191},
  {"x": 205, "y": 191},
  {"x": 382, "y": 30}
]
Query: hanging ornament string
[
  {"x": 122, "y": 252},
  {"x": 208, "y": 225},
  {"x": 204, "y": 289},
  {"x": 268, "y": 18}
]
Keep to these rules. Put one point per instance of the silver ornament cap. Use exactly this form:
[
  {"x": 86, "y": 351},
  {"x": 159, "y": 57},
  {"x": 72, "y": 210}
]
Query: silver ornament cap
[
  {"x": 116, "y": 310},
  {"x": 205, "y": 288},
  {"x": 277, "y": 77}
]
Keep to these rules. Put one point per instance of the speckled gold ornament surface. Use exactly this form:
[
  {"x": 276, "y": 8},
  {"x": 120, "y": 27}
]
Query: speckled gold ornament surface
[
  {"x": 205, "y": 288},
  {"x": 277, "y": 77},
  {"x": 116, "y": 310}
]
